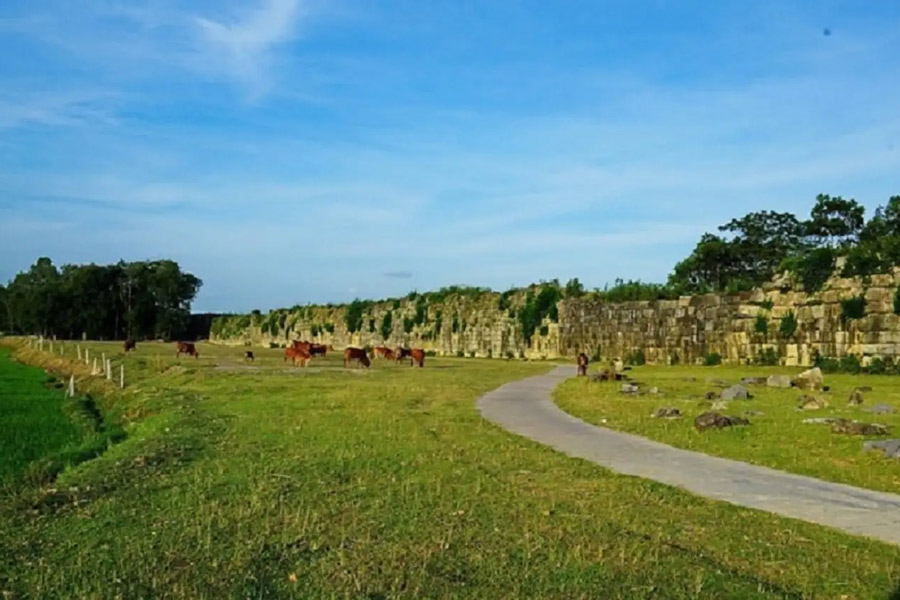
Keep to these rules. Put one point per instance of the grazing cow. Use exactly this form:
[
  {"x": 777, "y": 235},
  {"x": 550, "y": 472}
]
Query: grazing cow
[
  {"x": 390, "y": 355},
  {"x": 248, "y": 355},
  {"x": 418, "y": 357},
  {"x": 297, "y": 356},
  {"x": 186, "y": 348},
  {"x": 130, "y": 344},
  {"x": 357, "y": 354},
  {"x": 380, "y": 351},
  {"x": 582, "y": 364},
  {"x": 401, "y": 353},
  {"x": 318, "y": 349},
  {"x": 298, "y": 345}
]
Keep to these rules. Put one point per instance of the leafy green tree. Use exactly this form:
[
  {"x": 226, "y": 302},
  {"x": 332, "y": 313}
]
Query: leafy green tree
[
  {"x": 835, "y": 222},
  {"x": 761, "y": 241},
  {"x": 574, "y": 289},
  {"x": 713, "y": 263},
  {"x": 387, "y": 325}
]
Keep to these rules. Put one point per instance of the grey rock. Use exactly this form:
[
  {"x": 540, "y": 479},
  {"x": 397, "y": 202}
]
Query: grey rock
[
  {"x": 630, "y": 389},
  {"x": 714, "y": 420},
  {"x": 753, "y": 413},
  {"x": 890, "y": 448},
  {"x": 821, "y": 420},
  {"x": 881, "y": 409},
  {"x": 736, "y": 392},
  {"x": 778, "y": 381},
  {"x": 811, "y": 380},
  {"x": 754, "y": 380},
  {"x": 848, "y": 427},
  {"x": 654, "y": 390},
  {"x": 811, "y": 403},
  {"x": 856, "y": 398},
  {"x": 667, "y": 412}
]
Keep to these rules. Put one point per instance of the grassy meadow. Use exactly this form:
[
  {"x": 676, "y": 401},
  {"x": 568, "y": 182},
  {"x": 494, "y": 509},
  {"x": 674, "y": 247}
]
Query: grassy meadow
[
  {"x": 262, "y": 480},
  {"x": 777, "y": 436}
]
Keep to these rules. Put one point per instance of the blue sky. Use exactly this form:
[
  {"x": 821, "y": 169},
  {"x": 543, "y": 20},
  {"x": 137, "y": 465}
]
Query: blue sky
[{"x": 293, "y": 151}]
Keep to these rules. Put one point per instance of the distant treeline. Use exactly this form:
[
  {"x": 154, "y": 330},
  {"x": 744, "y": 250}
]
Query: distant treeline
[{"x": 146, "y": 299}]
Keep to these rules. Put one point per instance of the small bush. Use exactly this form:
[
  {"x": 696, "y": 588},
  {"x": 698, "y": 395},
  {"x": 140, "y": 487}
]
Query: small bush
[
  {"x": 314, "y": 330},
  {"x": 387, "y": 325},
  {"x": 454, "y": 325},
  {"x": 877, "y": 367},
  {"x": 853, "y": 308},
  {"x": 329, "y": 327},
  {"x": 460, "y": 353},
  {"x": 761, "y": 325},
  {"x": 408, "y": 324},
  {"x": 767, "y": 358},
  {"x": 712, "y": 359},
  {"x": 897, "y": 301},
  {"x": 814, "y": 268},
  {"x": 767, "y": 304},
  {"x": 674, "y": 359},
  {"x": 371, "y": 325},
  {"x": 827, "y": 364},
  {"x": 472, "y": 354},
  {"x": 849, "y": 364},
  {"x": 510, "y": 354},
  {"x": 637, "y": 358},
  {"x": 544, "y": 330},
  {"x": 788, "y": 326},
  {"x": 596, "y": 356}
]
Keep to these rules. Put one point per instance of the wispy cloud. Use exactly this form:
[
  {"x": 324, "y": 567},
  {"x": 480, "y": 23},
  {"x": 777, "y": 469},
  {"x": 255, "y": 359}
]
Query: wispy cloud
[
  {"x": 242, "y": 49},
  {"x": 398, "y": 275}
]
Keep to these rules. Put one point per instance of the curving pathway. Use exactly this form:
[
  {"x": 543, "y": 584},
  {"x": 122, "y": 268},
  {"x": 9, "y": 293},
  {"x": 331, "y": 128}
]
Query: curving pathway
[{"x": 525, "y": 407}]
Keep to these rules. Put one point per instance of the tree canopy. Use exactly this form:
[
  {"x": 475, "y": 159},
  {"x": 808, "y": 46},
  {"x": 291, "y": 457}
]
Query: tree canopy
[{"x": 147, "y": 299}]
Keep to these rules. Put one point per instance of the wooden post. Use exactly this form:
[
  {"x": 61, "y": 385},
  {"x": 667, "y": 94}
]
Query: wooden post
[
  {"x": 87, "y": 356},
  {"x": 109, "y": 369},
  {"x": 78, "y": 351},
  {"x": 41, "y": 344},
  {"x": 94, "y": 370},
  {"x": 71, "y": 386},
  {"x": 51, "y": 347},
  {"x": 122, "y": 376}
]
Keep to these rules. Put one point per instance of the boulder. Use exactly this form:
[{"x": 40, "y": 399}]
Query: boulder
[
  {"x": 667, "y": 412},
  {"x": 811, "y": 403},
  {"x": 736, "y": 392},
  {"x": 653, "y": 391},
  {"x": 714, "y": 420},
  {"x": 630, "y": 389},
  {"x": 754, "y": 380},
  {"x": 778, "y": 381},
  {"x": 810, "y": 380},
  {"x": 618, "y": 365},
  {"x": 719, "y": 405},
  {"x": 753, "y": 413},
  {"x": 890, "y": 448},
  {"x": 848, "y": 427},
  {"x": 711, "y": 395},
  {"x": 856, "y": 398},
  {"x": 881, "y": 409}
]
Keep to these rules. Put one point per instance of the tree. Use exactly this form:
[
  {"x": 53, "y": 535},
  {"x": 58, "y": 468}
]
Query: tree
[
  {"x": 574, "y": 289},
  {"x": 762, "y": 240},
  {"x": 710, "y": 267},
  {"x": 835, "y": 222}
]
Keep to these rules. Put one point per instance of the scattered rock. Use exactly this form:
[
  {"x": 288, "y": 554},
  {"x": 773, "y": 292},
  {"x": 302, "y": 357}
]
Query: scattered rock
[
  {"x": 810, "y": 380},
  {"x": 856, "y": 398},
  {"x": 811, "y": 403},
  {"x": 778, "y": 381},
  {"x": 653, "y": 391},
  {"x": 881, "y": 409},
  {"x": 821, "y": 420},
  {"x": 606, "y": 375},
  {"x": 890, "y": 448},
  {"x": 719, "y": 405},
  {"x": 630, "y": 389},
  {"x": 736, "y": 392},
  {"x": 618, "y": 365},
  {"x": 754, "y": 380},
  {"x": 667, "y": 412},
  {"x": 753, "y": 413},
  {"x": 714, "y": 420},
  {"x": 856, "y": 428},
  {"x": 711, "y": 395}
]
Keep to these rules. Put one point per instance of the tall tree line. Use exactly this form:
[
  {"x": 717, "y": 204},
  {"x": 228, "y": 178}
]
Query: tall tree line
[{"x": 145, "y": 299}]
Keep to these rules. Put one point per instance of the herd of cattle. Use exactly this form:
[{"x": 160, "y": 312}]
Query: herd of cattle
[{"x": 302, "y": 352}]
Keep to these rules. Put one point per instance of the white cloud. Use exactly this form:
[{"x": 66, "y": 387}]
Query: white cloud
[{"x": 246, "y": 44}]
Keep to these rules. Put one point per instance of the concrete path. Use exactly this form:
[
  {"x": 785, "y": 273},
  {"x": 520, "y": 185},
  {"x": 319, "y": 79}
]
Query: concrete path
[{"x": 525, "y": 408}]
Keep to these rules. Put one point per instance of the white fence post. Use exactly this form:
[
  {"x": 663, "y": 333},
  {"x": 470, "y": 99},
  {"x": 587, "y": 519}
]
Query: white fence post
[
  {"x": 71, "y": 386},
  {"x": 122, "y": 376},
  {"x": 78, "y": 351}
]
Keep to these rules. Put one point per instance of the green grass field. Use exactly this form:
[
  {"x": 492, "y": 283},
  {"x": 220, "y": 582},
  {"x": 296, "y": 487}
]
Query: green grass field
[
  {"x": 40, "y": 430},
  {"x": 776, "y": 438},
  {"x": 261, "y": 480}
]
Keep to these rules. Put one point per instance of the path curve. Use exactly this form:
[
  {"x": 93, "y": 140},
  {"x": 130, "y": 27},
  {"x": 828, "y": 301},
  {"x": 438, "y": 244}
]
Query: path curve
[{"x": 525, "y": 407}]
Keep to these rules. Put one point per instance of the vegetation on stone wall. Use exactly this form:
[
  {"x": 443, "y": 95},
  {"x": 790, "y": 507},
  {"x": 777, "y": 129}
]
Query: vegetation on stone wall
[
  {"x": 761, "y": 323},
  {"x": 788, "y": 326},
  {"x": 853, "y": 308}
]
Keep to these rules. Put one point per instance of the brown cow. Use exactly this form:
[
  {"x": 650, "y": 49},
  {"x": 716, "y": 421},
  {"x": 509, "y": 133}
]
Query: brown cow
[
  {"x": 130, "y": 344},
  {"x": 582, "y": 364},
  {"x": 380, "y": 351},
  {"x": 418, "y": 357},
  {"x": 186, "y": 348},
  {"x": 389, "y": 355},
  {"x": 298, "y": 345},
  {"x": 318, "y": 349},
  {"x": 401, "y": 353},
  {"x": 297, "y": 355},
  {"x": 248, "y": 355},
  {"x": 357, "y": 354}
]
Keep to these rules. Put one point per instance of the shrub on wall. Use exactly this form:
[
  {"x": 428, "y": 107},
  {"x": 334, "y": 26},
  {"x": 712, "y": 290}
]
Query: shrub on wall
[
  {"x": 853, "y": 308},
  {"x": 761, "y": 325},
  {"x": 767, "y": 358},
  {"x": 387, "y": 324},
  {"x": 788, "y": 326},
  {"x": 637, "y": 358},
  {"x": 897, "y": 301}
]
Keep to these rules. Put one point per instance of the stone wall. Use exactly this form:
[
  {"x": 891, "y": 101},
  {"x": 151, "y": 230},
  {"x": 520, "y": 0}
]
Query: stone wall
[
  {"x": 685, "y": 330},
  {"x": 689, "y": 328}
]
